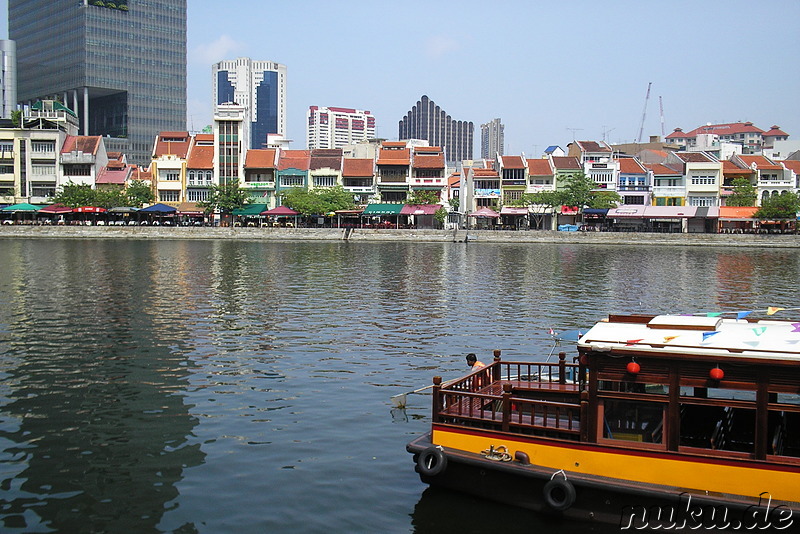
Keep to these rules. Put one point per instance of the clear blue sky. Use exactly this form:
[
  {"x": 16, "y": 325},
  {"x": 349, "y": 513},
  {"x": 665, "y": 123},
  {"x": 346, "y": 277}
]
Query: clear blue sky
[{"x": 546, "y": 69}]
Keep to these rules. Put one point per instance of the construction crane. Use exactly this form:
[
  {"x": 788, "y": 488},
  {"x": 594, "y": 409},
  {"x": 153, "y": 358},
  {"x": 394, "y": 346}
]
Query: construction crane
[
  {"x": 644, "y": 113},
  {"x": 661, "y": 109}
]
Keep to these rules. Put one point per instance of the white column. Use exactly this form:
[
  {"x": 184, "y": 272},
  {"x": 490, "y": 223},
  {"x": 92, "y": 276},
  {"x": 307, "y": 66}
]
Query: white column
[{"x": 85, "y": 111}]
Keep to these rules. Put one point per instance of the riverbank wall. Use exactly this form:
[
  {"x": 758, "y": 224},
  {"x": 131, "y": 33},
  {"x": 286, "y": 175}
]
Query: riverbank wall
[{"x": 475, "y": 237}]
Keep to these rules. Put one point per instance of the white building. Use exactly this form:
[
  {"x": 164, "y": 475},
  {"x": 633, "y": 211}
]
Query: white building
[
  {"x": 259, "y": 87},
  {"x": 337, "y": 127},
  {"x": 8, "y": 78},
  {"x": 492, "y": 139}
]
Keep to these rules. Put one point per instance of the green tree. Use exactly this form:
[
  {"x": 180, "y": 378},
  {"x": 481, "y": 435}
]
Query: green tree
[
  {"x": 578, "y": 191},
  {"x": 139, "y": 193},
  {"x": 540, "y": 204},
  {"x": 318, "y": 201},
  {"x": 423, "y": 197},
  {"x": 784, "y": 206},
  {"x": 744, "y": 194},
  {"x": 225, "y": 197},
  {"x": 109, "y": 198},
  {"x": 16, "y": 118},
  {"x": 455, "y": 202},
  {"x": 604, "y": 200},
  {"x": 440, "y": 216},
  {"x": 75, "y": 195}
]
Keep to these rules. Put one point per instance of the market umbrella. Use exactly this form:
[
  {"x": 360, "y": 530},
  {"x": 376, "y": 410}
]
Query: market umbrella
[
  {"x": 159, "y": 208},
  {"x": 281, "y": 211},
  {"x": 485, "y": 213},
  {"x": 22, "y": 207},
  {"x": 56, "y": 209}
]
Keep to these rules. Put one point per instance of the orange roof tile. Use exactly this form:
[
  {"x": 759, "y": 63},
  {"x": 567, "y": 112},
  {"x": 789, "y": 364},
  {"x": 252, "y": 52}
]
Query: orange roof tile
[
  {"x": 539, "y": 167},
  {"x": 395, "y": 144},
  {"x": 260, "y": 158},
  {"x": 631, "y": 166},
  {"x": 660, "y": 169},
  {"x": 294, "y": 159},
  {"x": 172, "y": 143},
  {"x": 736, "y": 212},
  {"x": 433, "y": 161},
  {"x": 394, "y": 156},
  {"x": 201, "y": 157},
  {"x": 512, "y": 162},
  {"x": 693, "y": 157},
  {"x": 792, "y": 164},
  {"x": 566, "y": 162},
  {"x": 718, "y": 129},
  {"x": 762, "y": 162},
  {"x": 88, "y": 144},
  {"x": 358, "y": 167}
]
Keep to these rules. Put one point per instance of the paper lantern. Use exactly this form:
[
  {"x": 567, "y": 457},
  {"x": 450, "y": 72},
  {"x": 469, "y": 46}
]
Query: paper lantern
[
  {"x": 633, "y": 368},
  {"x": 716, "y": 374}
]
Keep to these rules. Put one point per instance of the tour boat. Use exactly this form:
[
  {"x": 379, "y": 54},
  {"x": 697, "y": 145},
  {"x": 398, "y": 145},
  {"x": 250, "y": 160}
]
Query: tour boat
[{"x": 660, "y": 422}]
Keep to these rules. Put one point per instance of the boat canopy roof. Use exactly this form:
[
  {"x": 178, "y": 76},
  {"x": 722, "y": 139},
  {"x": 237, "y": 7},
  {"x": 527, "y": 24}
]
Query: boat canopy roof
[{"x": 679, "y": 336}]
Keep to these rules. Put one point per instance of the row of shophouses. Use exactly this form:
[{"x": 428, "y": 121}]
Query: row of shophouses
[{"x": 44, "y": 152}]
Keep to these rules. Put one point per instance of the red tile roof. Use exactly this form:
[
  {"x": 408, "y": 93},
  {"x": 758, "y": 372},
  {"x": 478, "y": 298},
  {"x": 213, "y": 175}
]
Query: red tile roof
[
  {"x": 435, "y": 149},
  {"x": 660, "y": 169},
  {"x": 775, "y": 131},
  {"x": 631, "y": 166},
  {"x": 485, "y": 173},
  {"x": 113, "y": 176},
  {"x": 512, "y": 162},
  {"x": 792, "y": 164},
  {"x": 693, "y": 157},
  {"x": 394, "y": 156},
  {"x": 358, "y": 167},
  {"x": 88, "y": 144},
  {"x": 433, "y": 161},
  {"x": 566, "y": 162},
  {"x": 260, "y": 158},
  {"x": 201, "y": 157},
  {"x": 172, "y": 143},
  {"x": 763, "y": 163},
  {"x": 593, "y": 146},
  {"x": 294, "y": 159},
  {"x": 326, "y": 158},
  {"x": 718, "y": 129},
  {"x": 539, "y": 167},
  {"x": 395, "y": 144},
  {"x": 730, "y": 168}
]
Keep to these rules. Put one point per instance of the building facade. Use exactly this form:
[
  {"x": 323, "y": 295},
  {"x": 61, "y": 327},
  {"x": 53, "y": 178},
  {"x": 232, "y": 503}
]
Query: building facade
[
  {"x": 428, "y": 121},
  {"x": 260, "y": 88},
  {"x": 337, "y": 127},
  {"x": 122, "y": 69},
  {"x": 492, "y": 139},
  {"x": 8, "y": 78}
]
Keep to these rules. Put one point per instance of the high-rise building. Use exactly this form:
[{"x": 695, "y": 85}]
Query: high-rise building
[
  {"x": 260, "y": 88},
  {"x": 337, "y": 127},
  {"x": 492, "y": 139},
  {"x": 428, "y": 121},
  {"x": 121, "y": 66},
  {"x": 8, "y": 78}
]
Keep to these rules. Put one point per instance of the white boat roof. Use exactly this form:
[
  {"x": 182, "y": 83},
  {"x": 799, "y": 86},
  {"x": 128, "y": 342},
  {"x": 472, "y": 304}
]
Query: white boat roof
[{"x": 693, "y": 335}]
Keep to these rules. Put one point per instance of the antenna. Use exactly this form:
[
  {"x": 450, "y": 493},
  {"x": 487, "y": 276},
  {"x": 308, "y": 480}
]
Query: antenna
[
  {"x": 661, "y": 108},
  {"x": 606, "y": 132},
  {"x": 573, "y": 130},
  {"x": 644, "y": 112}
]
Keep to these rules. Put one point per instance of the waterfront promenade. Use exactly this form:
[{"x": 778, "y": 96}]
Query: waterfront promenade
[{"x": 340, "y": 234}]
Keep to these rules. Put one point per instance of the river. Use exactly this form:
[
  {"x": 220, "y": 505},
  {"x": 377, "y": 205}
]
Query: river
[{"x": 221, "y": 386}]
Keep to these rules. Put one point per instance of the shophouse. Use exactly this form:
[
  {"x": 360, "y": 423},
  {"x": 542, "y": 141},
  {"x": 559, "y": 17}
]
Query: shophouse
[
  {"x": 703, "y": 176},
  {"x": 260, "y": 171},
  {"x": 200, "y": 168},
  {"x": 770, "y": 177},
  {"x": 293, "y": 168},
  {"x": 428, "y": 170},
  {"x": 358, "y": 178},
  {"x": 325, "y": 168},
  {"x": 393, "y": 170},
  {"x": 169, "y": 167},
  {"x": 635, "y": 181}
]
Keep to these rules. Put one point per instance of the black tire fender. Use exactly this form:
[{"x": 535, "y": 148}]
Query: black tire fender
[
  {"x": 431, "y": 462},
  {"x": 559, "y": 494}
]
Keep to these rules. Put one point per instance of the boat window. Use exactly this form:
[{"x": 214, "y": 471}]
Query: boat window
[
  {"x": 784, "y": 433},
  {"x": 717, "y": 427},
  {"x": 788, "y": 398},
  {"x": 633, "y": 420},
  {"x": 633, "y": 387}
]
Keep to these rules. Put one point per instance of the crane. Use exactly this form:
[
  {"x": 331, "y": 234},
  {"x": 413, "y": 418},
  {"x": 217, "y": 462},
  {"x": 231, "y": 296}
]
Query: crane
[{"x": 644, "y": 112}]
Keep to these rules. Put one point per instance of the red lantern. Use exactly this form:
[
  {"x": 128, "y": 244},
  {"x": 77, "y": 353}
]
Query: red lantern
[
  {"x": 633, "y": 368},
  {"x": 716, "y": 374}
]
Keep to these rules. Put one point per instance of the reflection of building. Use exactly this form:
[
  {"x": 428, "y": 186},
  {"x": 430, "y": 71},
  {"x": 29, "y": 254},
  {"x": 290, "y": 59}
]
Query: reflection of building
[
  {"x": 260, "y": 88},
  {"x": 122, "y": 70},
  {"x": 428, "y": 121},
  {"x": 337, "y": 127}
]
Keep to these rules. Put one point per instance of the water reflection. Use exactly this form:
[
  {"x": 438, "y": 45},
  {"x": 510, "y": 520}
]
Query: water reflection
[{"x": 220, "y": 386}]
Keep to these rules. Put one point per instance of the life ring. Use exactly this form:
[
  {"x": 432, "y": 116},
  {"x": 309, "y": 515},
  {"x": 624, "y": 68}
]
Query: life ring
[
  {"x": 559, "y": 494},
  {"x": 431, "y": 462}
]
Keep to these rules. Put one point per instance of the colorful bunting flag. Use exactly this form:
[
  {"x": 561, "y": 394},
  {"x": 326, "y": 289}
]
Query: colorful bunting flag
[
  {"x": 667, "y": 339},
  {"x": 713, "y": 314},
  {"x": 796, "y": 327},
  {"x": 633, "y": 341},
  {"x": 707, "y": 335},
  {"x": 773, "y": 310},
  {"x": 751, "y": 343},
  {"x": 743, "y": 314},
  {"x": 760, "y": 330}
]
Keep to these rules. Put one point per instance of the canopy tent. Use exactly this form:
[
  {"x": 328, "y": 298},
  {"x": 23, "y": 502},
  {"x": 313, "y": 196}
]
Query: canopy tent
[
  {"x": 159, "y": 209},
  {"x": 513, "y": 210},
  {"x": 250, "y": 210},
  {"x": 485, "y": 213},
  {"x": 420, "y": 209},
  {"x": 123, "y": 209},
  {"x": 56, "y": 209},
  {"x": 190, "y": 209},
  {"x": 281, "y": 211},
  {"x": 382, "y": 209},
  {"x": 89, "y": 209},
  {"x": 22, "y": 207}
]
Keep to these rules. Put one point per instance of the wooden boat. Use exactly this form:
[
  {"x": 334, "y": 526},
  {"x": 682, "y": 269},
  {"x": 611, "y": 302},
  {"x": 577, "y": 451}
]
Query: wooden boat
[{"x": 661, "y": 422}]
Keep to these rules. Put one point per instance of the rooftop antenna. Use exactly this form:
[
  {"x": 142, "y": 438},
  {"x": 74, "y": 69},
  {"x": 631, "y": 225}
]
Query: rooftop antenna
[
  {"x": 606, "y": 132},
  {"x": 573, "y": 130},
  {"x": 644, "y": 112}
]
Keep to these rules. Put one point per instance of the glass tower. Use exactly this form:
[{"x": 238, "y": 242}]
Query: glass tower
[{"x": 120, "y": 65}]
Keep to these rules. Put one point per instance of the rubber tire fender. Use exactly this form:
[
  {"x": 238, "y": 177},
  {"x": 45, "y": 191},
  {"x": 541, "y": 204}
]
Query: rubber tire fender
[
  {"x": 431, "y": 462},
  {"x": 559, "y": 494}
]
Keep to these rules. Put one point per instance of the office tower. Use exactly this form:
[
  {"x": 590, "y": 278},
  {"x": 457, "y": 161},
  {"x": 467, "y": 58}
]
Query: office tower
[
  {"x": 428, "y": 121},
  {"x": 8, "y": 78},
  {"x": 121, "y": 66},
  {"x": 337, "y": 127},
  {"x": 260, "y": 88},
  {"x": 492, "y": 139}
]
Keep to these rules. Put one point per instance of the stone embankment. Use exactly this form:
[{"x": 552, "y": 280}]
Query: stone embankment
[{"x": 340, "y": 234}]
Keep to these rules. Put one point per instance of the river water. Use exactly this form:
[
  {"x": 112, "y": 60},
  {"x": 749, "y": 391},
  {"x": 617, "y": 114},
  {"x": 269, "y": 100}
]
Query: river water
[{"x": 237, "y": 386}]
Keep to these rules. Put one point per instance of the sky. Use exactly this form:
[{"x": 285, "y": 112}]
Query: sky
[{"x": 550, "y": 71}]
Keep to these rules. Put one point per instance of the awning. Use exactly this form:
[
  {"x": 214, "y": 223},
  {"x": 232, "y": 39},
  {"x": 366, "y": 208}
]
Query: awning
[
  {"x": 420, "y": 209},
  {"x": 24, "y": 206},
  {"x": 512, "y": 210},
  {"x": 281, "y": 211},
  {"x": 383, "y": 209},
  {"x": 569, "y": 210},
  {"x": 626, "y": 212},
  {"x": 89, "y": 209},
  {"x": 123, "y": 209},
  {"x": 595, "y": 211},
  {"x": 671, "y": 212},
  {"x": 56, "y": 209},
  {"x": 707, "y": 212},
  {"x": 485, "y": 213},
  {"x": 189, "y": 208},
  {"x": 251, "y": 210},
  {"x": 159, "y": 208},
  {"x": 737, "y": 213}
]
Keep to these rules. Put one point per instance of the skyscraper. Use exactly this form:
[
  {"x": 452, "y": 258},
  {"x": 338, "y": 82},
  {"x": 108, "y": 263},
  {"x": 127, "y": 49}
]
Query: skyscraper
[
  {"x": 120, "y": 65},
  {"x": 492, "y": 139},
  {"x": 428, "y": 121},
  {"x": 258, "y": 86},
  {"x": 8, "y": 78},
  {"x": 337, "y": 127}
]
